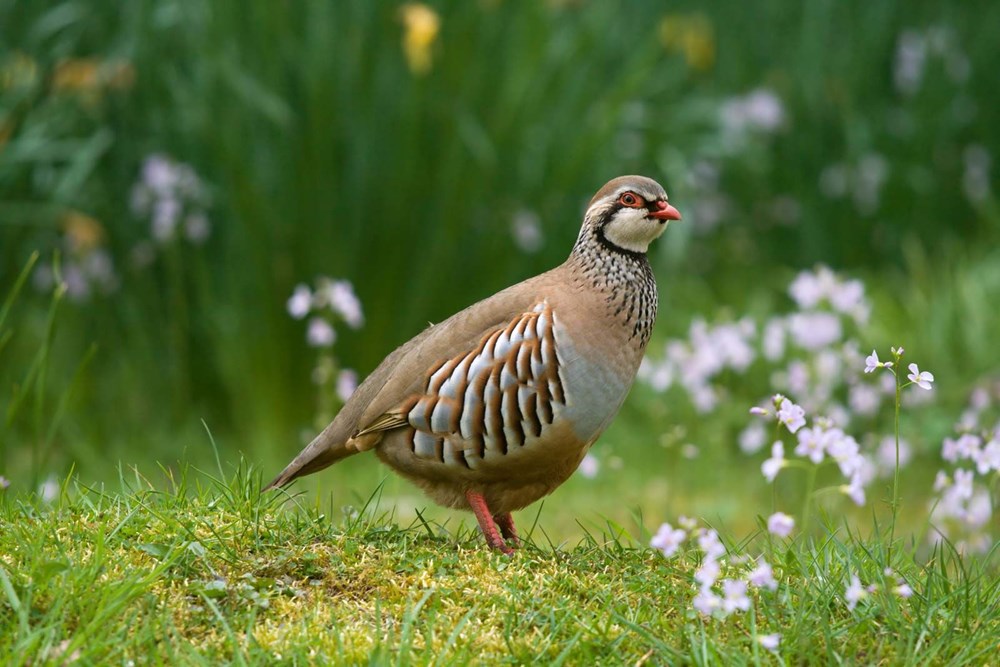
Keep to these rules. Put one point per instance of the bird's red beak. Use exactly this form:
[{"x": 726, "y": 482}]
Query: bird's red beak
[{"x": 665, "y": 212}]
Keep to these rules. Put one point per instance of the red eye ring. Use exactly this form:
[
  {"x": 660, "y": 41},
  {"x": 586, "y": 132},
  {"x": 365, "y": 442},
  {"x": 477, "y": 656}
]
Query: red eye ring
[{"x": 630, "y": 199}]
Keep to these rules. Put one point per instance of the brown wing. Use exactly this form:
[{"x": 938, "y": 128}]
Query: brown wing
[
  {"x": 401, "y": 374},
  {"x": 487, "y": 400}
]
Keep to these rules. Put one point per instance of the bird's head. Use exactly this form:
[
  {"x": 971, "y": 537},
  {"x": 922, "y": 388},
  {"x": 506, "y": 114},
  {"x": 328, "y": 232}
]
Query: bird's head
[{"x": 627, "y": 214}]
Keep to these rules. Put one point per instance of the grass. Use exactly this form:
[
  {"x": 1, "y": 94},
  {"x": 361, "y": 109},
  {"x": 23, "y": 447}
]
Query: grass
[
  {"x": 325, "y": 152},
  {"x": 208, "y": 571}
]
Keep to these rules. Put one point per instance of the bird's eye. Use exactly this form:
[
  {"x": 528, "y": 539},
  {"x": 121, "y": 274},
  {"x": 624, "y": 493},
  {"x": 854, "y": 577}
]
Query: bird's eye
[{"x": 629, "y": 199}]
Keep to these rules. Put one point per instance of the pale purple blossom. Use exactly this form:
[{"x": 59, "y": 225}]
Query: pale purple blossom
[
  {"x": 922, "y": 379},
  {"x": 171, "y": 194},
  {"x": 710, "y": 543},
  {"x": 752, "y": 438},
  {"x": 340, "y": 296},
  {"x": 589, "y": 466},
  {"x": 810, "y": 288},
  {"x": 988, "y": 458},
  {"x": 668, "y": 539},
  {"x": 864, "y": 399},
  {"x": 838, "y": 414},
  {"x": 840, "y": 446},
  {"x": 706, "y": 352},
  {"x": 810, "y": 444},
  {"x": 872, "y": 362},
  {"x": 75, "y": 280},
  {"x": 320, "y": 333},
  {"x": 965, "y": 446},
  {"x": 760, "y": 110},
  {"x": 855, "y": 490},
  {"x": 707, "y": 574},
  {"x": 791, "y": 415},
  {"x": 82, "y": 276},
  {"x": 689, "y": 450},
  {"x": 526, "y": 229},
  {"x": 941, "y": 481},
  {"x": 159, "y": 174},
  {"x": 659, "y": 375},
  {"x": 911, "y": 56},
  {"x": 806, "y": 290},
  {"x": 812, "y": 331},
  {"x": 773, "y": 339},
  {"x": 780, "y": 524},
  {"x": 762, "y": 576},
  {"x": 829, "y": 366},
  {"x": 704, "y": 398},
  {"x": 773, "y": 465},
  {"x": 300, "y": 302},
  {"x": 731, "y": 342},
  {"x": 166, "y": 214},
  {"x": 848, "y": 297},
  {"x": 963, "y": 484},
  {"x": 759, "y": 411},
  {"x": 347, "y": 384},
  {"x": 979, "y": 399},
  {"x": 855, "y": 592},
  {"x": 48, "y": 490},
  {"x": 980, "y": 509},
  {"x": 797, "y": 377},
  {"x": 734, "y": 596},
  {"x": 903, "y": 590},
  {"x": 707, "y": 602},
  {"x": 770, "y": 642},
  {"x": 858, "y": 466},
  {"x": 4, "y": 483}
]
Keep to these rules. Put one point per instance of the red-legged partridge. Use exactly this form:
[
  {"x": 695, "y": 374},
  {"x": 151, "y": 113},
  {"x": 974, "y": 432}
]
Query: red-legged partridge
[{"x": 496, "y": 406}]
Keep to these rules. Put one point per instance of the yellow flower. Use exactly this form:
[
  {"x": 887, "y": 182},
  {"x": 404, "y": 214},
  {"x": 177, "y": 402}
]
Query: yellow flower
[
  {"x": 75, "y": 75},
  {"x": 20, "y": 70},
  {"x": 421, "y": 25},
  {"x": 692, "y": 36},
  {"x": 83, "y": 232},
  {"x": 87, "y": 75}
]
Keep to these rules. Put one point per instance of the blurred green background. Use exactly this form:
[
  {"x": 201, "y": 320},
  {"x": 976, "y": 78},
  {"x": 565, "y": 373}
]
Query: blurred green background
[{"x": 434, "y": 153}]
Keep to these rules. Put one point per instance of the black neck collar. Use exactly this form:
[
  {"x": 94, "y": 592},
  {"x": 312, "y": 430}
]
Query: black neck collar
[{"x": 608, "y": 244}]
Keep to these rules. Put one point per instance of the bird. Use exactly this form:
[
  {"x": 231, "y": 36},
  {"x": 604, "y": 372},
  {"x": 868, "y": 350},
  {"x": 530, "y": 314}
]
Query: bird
[{"x": 496, "y": 406}]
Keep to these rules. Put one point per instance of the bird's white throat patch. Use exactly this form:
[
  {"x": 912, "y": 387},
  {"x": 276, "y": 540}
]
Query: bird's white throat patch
[{"x": 631, "y": 229}]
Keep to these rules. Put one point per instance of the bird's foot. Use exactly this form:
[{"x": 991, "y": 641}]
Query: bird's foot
[
  {"x": 506, "y": 524},
  {"x": 488, "y": 525}
]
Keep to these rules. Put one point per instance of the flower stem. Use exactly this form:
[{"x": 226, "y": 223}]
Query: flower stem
[
  {"x": 810, "y": 485},
  {"x": 895, "y": 476}
]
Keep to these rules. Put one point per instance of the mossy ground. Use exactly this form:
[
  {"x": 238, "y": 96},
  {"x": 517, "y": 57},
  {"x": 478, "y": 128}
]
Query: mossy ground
[{"x": 210, "y": 572}]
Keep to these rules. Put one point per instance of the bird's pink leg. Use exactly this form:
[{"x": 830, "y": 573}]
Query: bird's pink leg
[
  {"x": 486, "y": 522},
  {"x": 506, "y": 523}
]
